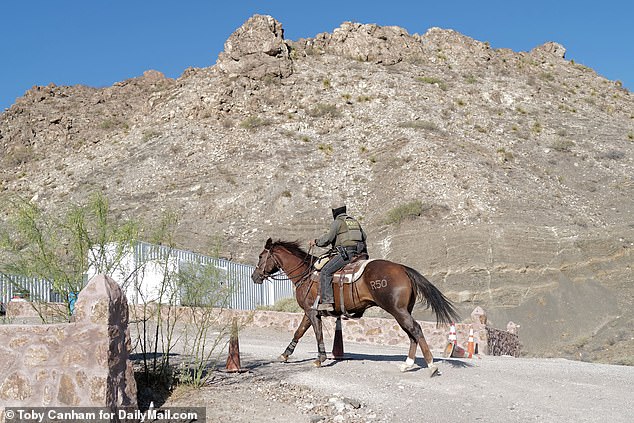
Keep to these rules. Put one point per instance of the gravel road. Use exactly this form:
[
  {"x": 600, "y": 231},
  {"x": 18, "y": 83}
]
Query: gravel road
[{"x": 367, "y": 386}]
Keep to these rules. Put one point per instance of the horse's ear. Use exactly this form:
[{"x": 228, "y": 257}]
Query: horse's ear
[{"x": 269, "y": 242}]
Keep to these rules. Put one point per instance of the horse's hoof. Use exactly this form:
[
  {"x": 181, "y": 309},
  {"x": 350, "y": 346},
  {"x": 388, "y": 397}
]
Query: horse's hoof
[
  {"x": 407, "y": 367},
  {"x": 320, "y": 359},
  {"x": 433, "y": 370},
  {"x": 283, "y": 358}
]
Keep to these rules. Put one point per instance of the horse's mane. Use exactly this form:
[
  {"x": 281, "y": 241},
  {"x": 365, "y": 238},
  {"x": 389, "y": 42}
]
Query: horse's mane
[{"x": 293, "y": 247}]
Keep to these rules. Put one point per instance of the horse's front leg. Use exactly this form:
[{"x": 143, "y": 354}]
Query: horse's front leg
[
  {"x": 301, "y": 330},
  {"x": 315, "y": 320}
]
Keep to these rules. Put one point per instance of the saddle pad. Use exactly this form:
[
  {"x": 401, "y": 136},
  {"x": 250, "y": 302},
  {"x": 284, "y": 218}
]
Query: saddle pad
[{"x": 351, "y": 271}]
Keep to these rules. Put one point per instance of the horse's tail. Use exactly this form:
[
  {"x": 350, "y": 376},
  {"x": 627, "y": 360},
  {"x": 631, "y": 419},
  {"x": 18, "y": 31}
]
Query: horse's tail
[{"x": 440, "y": 305}]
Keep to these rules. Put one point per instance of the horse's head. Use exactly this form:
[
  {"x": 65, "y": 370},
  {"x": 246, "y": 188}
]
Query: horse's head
[{"x": 267, "y": 264}]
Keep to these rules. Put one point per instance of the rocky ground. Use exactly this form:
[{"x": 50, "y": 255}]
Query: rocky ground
[
  {"x": 368, "y": 387},
  {"x": 505, "y": 177}
]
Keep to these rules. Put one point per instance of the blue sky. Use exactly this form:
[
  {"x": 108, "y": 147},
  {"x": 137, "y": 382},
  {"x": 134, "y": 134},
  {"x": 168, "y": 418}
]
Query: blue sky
[{"x": 99, "y": 42}]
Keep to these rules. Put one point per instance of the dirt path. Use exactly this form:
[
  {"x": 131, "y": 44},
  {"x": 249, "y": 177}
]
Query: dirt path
[{"x": 368, "y": 387}]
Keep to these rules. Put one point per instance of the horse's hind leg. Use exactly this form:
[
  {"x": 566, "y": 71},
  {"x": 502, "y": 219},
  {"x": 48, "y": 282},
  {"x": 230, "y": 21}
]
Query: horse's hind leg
[
  {"x": 415, "y": 333},
  {"x": 301, "y": 330},
  {"x": 429, "y": 357},
  {"x": 411, "y": 355}
]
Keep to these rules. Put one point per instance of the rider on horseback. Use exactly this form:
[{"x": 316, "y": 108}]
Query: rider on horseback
[{"x": 348, "y": 241}]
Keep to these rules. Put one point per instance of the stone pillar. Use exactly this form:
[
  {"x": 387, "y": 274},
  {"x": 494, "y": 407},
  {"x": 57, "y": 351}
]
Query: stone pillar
[
  {"x": 84, "y": 363},
  {"x": 103, "y": 303}
]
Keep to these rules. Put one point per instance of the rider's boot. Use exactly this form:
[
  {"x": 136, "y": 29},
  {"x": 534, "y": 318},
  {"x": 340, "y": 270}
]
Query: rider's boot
[
  {"x": 327, "y": 303},
  {"x": 327, "y": 299}
]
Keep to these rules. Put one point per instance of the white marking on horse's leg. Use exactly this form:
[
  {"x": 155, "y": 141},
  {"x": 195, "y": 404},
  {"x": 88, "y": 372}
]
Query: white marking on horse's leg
[{"x": 408, "y": 365}]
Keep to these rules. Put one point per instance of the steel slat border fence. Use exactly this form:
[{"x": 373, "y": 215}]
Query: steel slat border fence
[
  {"x": 246, "y": 295},
  {"x": 39, "y": 289}
]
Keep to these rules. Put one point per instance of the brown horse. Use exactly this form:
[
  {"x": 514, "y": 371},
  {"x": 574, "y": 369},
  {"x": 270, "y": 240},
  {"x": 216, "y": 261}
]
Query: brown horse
[{"x": 391, "y": 286}]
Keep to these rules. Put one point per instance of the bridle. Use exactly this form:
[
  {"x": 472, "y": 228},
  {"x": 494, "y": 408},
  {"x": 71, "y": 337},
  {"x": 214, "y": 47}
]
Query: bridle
[
  {"x": 301, "y": 275},
  {"x": 264, "y": 273}
]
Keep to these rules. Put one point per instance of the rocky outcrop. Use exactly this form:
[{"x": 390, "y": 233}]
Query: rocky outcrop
[
  {"x": 550, "y": 48},
  {"x": 71, "y": 118},
  {"x": 366, "y": 42},
  {"x": 84, "y": 363},
  {"x": 257, "y": 50},
  {"x": 449, "y": 47}
]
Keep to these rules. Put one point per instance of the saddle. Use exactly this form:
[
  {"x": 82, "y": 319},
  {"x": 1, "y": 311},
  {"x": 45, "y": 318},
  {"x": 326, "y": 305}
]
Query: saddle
[{"x": 349, "y": 273}]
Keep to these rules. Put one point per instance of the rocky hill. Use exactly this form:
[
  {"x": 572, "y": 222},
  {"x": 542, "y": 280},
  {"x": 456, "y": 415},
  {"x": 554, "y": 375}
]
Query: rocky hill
[{"x": 505, "y": 177}]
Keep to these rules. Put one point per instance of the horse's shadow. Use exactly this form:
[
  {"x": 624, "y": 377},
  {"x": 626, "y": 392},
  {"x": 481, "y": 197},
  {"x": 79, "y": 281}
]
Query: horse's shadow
[
  {"x": 370, "y": 357},
  {"x": 453, "y": 362}
]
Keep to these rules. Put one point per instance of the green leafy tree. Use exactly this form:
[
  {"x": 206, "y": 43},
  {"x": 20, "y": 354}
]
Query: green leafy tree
[{"x": 61, "y": 249}]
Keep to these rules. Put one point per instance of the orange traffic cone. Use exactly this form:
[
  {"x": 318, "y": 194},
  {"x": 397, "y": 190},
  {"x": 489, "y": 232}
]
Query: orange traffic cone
[
  {"x": 337, "y": 345},
  {"x": 471, "y": 344},
  {"x": 458, "y": 352},
  {"x": 453, "y": 339},
  {"x": 233, "y": 359}
]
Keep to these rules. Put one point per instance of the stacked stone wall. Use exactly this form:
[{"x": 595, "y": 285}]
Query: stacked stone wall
[
  {"x": 367, "y": 330},
  {"x": 373, "y": 330},
  {"x": 503, "y": 342}
]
